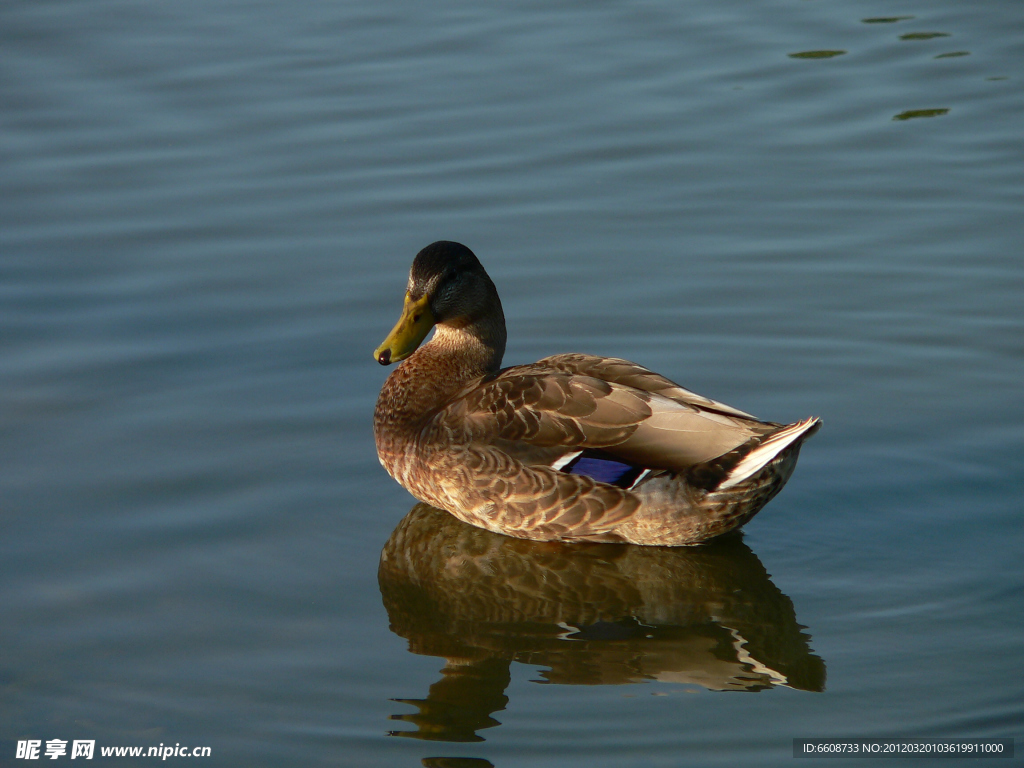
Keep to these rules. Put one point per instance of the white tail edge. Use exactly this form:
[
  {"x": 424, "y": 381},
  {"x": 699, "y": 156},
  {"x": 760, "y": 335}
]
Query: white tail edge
[{"x": 759, "y": 458}]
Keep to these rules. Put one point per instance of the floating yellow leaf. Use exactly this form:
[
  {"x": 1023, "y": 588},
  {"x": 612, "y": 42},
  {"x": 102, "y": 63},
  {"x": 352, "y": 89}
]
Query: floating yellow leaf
[
  {"x": 816, "y": 54},
  {"x": 910, "y": 114},
  {"x": 886, "y": 19}
]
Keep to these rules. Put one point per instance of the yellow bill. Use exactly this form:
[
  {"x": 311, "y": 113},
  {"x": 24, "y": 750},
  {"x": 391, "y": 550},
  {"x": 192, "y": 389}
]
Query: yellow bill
[{"x": 412, "y": 327}]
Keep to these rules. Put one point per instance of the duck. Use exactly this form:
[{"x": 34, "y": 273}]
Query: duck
[{"x": 572, "y": 448}]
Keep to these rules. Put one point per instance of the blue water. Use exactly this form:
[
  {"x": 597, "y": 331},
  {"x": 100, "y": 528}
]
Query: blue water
[{"x": 207, "y": 214}]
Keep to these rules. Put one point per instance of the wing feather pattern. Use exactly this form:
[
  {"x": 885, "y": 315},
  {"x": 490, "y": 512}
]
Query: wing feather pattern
[
  {"x": 619, "y": 371},
  {"x": 515, "y": 426}
]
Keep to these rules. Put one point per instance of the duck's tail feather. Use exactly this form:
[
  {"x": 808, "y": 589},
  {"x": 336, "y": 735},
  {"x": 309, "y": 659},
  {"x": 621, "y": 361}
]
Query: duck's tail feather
[
  {"x": 774, "y": 444},
  {"x": 745, "y": 461}
]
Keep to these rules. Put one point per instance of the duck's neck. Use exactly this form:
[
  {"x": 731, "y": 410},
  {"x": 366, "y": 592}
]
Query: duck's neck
[
  {"x": 431, "y": 376},
  {"x": 478, "y": 346}
]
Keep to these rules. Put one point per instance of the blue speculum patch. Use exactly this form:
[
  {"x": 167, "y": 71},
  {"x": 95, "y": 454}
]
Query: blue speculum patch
[{"x": 604, "y": 470}]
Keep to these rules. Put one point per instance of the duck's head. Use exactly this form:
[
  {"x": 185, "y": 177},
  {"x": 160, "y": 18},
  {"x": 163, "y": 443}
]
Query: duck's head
[{"x": 447, "y": 287}]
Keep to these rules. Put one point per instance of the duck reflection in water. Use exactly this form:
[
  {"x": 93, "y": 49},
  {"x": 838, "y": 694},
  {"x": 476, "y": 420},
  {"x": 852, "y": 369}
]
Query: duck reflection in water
[{"x": 591, "y": 614}]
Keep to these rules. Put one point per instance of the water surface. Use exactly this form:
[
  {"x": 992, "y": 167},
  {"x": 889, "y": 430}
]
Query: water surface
[{"x": 207, "y": 212}]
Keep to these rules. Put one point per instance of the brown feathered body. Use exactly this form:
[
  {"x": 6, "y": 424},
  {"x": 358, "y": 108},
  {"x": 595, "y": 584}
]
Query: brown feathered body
[{"x": 508, "y": 449}]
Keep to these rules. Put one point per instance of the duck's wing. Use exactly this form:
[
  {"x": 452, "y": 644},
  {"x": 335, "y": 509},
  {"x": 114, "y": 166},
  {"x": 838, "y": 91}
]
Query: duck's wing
[
  {"x": 518, "y": 430},
  {"x": 618, "y": 371},
  {"x": 541, "y": 414}
]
